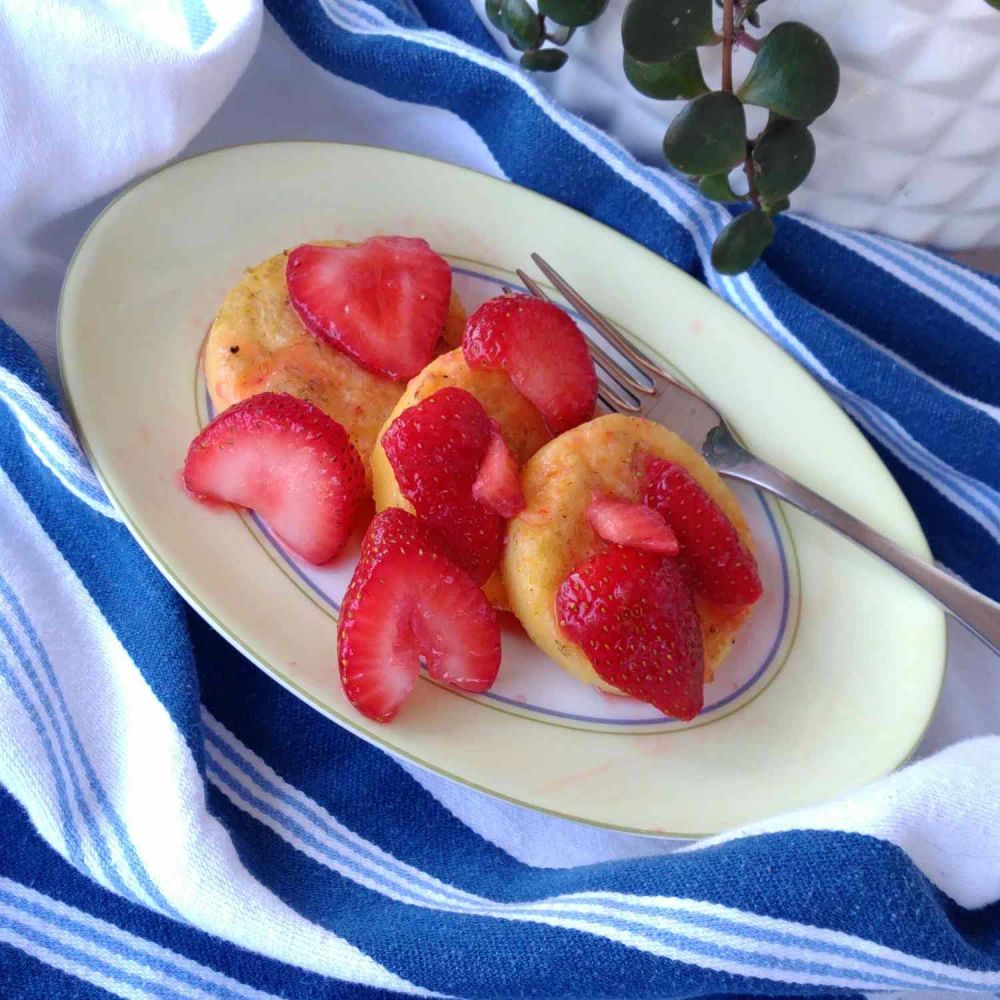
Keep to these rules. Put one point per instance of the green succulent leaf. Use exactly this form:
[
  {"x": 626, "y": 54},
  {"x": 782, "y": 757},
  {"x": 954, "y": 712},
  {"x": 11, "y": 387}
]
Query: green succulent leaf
[
  {"x": 794, "y": 73},
  {"x": 572, "y": 13},
  {"x": 774, "y": 207},
  {"x": 717, "y": 187},
  {"x": 522, "y": 24},
  {"x": 494, "y": 11},
  {"x": 782, "y": 158},
  {"x": 678, "y": 78},
  {"x": 544, "y": 60},
  {"x": 739, "y": 245},
  {"x": 708, "y": 136},
  {"x": 994, "y": 3},
  {"x": 657, "y": 30}
]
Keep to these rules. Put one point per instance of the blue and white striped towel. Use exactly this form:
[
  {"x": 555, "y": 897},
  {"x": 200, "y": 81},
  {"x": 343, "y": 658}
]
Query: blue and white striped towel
[{"x": 176, "y": 825}]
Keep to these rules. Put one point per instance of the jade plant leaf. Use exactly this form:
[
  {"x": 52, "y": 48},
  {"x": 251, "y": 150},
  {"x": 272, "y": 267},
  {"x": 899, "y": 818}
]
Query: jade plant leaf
[
  {"x": 673, "y": 80},
  {"x": 739, "y": 245},
  {"x": 782, "y": 158},
  {"x": 794, "y": 73},
  {"x": 544, "y": 60},
  {"x": 523, "y": 27},
  {"x": 572, "y": 13},
  {"x": 708, "y": 136},
  {"x": 658, "y": 30},
  {"x": 494, "y": 11}
]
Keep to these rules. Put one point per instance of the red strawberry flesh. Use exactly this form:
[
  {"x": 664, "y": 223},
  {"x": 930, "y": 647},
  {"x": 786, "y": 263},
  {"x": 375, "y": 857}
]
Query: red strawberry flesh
[
  {"x": 382, "y": 302},
  {"x": 719, "y": 566},
  {"x": 633, "y": 524},
  {"x": 409, "y": 606},
  {"x": 632, "y": 615},
  {"x": 287, "y": 460},
  {"x": 498, "y": 482},
  {"x": 436, "y": 449},
  {"x": 543, "y": 353}
]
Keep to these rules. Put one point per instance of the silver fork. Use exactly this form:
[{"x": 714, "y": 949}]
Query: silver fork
[{"x": 656, "y": 395}]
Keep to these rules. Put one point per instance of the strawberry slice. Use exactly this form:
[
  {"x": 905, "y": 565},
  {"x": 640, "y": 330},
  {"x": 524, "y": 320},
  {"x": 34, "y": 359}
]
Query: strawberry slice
[
  {"x": 287, "y": 460},
  {"x": 436, "y": 450},
  {"x": 409, "y": 606},
  {"x": 498, "y": 483},
  {"x": 382, "y": 302},
  {"x": 543, "y": 353},
  {"x": 631, "y": 524},
  {"x": 719, "y": 566},
  {"x": 632, "y": 615}
]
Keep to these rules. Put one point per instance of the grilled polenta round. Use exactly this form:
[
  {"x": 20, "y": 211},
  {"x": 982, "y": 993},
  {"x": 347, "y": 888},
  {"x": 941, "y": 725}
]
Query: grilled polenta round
[
  {"x": 258, "y": 344},
  {"x": 553, "y": 536},
  {"x": 520, "y": 422}
]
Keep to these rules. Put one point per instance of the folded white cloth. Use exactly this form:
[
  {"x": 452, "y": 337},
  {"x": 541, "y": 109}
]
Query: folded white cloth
[{"x": 92, "y": 96}]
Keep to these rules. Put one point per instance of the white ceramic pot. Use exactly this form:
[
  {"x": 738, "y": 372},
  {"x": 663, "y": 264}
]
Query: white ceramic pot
[{"x": 911, "y": 148}]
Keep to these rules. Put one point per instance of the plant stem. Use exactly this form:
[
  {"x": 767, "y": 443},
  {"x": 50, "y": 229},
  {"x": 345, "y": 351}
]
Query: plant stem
[
  {"x": 729, "y": 35},
  {"x": 747, "y": 41},
  {"x": 727, "y": 45},
  {"x": 748, "y": 170}
]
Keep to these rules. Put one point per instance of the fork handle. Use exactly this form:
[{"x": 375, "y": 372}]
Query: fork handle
[{"x": 975, "y": 611}]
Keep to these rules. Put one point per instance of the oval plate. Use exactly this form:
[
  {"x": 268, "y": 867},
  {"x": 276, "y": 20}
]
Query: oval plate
[{"x": 832, "y": 683}]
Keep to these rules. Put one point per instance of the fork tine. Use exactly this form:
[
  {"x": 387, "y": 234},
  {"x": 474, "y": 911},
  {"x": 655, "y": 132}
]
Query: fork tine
[
  {"x": 532, "y": 286},
  {"x": 610, "y": 366},
  {"x": 632, "y": 353},
  {"x": 609, "y": 403},
  {"x": 615, "y": 400}
]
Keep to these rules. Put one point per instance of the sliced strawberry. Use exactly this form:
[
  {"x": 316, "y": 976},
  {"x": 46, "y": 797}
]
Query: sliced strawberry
[
  {"x": 542, "y": 351},
  {"x": 632, "y": 615},
  {"x": 631, "y": 524},
  {"x": 718, "y": 564},
  {"x": 383, "y": 302},
  {"x": 436, "y": 450},
  {"x": 287, "y": 460},
  {"x": 498, "y": 483},
  {"x": 409, "y": 606}
]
